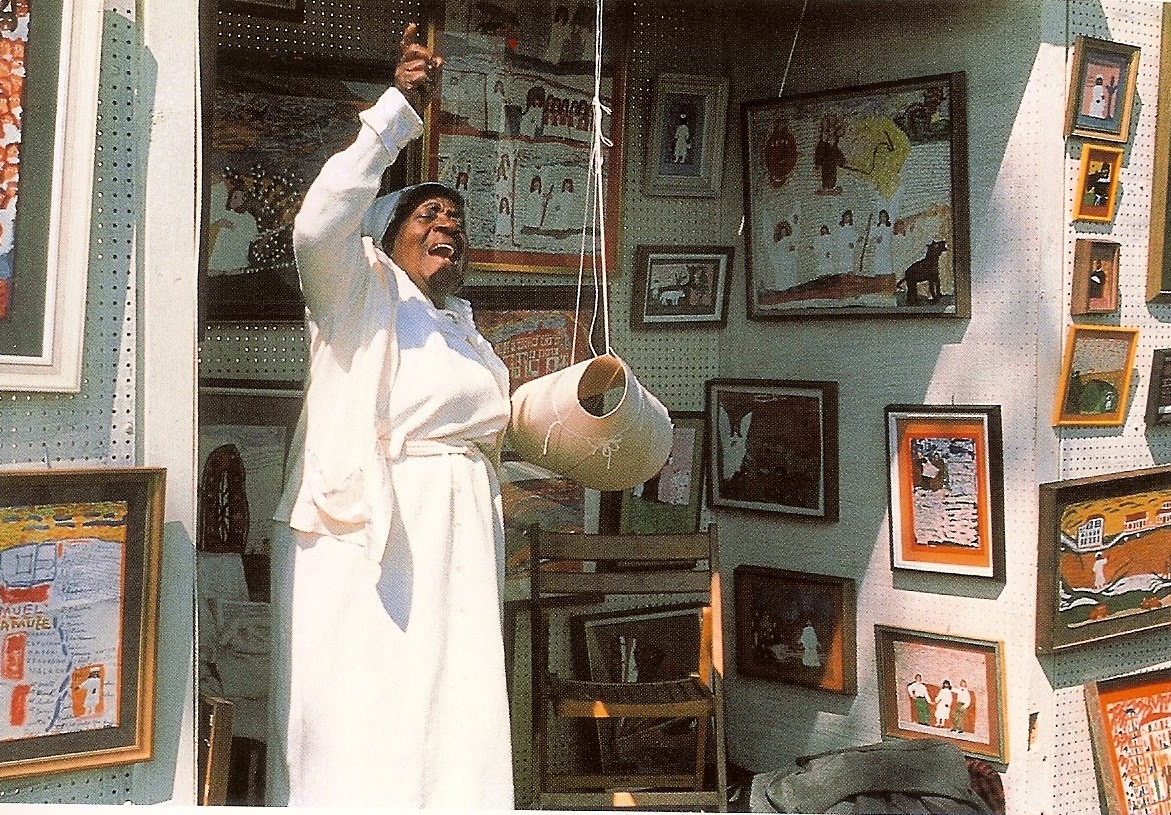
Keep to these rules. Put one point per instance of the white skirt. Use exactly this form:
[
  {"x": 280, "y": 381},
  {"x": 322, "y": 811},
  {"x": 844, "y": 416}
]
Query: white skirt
[{"x": 396, "y": 694}]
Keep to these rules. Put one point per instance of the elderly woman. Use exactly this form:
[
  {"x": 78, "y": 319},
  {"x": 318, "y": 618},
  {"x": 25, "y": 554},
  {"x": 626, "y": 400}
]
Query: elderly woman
[{"x": 396, "y": 690}]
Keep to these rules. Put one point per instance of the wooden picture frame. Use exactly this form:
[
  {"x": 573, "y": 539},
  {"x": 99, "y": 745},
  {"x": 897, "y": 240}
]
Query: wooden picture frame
[
  {"x": 680, "y": 286},
  {"x": 946, "y": 489},
  {"x": 672, "y": 500},
  {"x": 797, "y": 628},
  {"x": 1097, "y": 189},
  {"x": 512, "y": 131},
  {"x": 650, "y": 644},
  {"x": 290, "y": 11},
  {"x": 272, "y": 128},
  {"x": 685, "y": 142},
  {"x": 80, "y": 553},
  {"x": 1102, "y": 557},
  {"x": 1127, "y": 716},
  {"x": 1101, "y": 89},
  {"x": 1095, "y": 277},
  {"x": 49, "y": 72},
  {"x": 913, "y": 669},
  {"x": 1159, "y": 388},
  {"x": 850, "y": 192},
  {"x": 535, "y": 330},
  {"x": 1159, "y": 245},
  {"x": 773, "y": 446},
  {"x": 1094, "y": 387}
]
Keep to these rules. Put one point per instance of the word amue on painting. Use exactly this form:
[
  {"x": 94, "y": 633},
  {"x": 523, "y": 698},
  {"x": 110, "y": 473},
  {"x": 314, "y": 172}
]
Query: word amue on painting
[
  {"x": 514, "y": 129},
  {"x": 857, "y": 201},
  {"x": 61, "y": 580}
]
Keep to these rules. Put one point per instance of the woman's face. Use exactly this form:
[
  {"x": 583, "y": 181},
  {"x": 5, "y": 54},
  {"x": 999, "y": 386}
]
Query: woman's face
[{"x": 431, "y": 247}]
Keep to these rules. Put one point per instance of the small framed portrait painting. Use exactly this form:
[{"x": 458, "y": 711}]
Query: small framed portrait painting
[
  {"x": 1095, "y": 277},
  {"x": 1097, "y": 189},
  {"x": 1101, "y": 89}
]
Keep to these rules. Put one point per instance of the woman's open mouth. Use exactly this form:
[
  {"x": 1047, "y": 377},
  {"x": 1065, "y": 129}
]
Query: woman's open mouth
[{"x": 447, "y": 251}]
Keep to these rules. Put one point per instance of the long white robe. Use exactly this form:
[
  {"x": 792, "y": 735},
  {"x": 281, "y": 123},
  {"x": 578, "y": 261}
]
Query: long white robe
[{"x": 394, "y": 664}]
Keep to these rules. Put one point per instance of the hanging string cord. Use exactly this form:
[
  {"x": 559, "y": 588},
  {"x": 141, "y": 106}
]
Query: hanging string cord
[
  {"x": 594, "y": 221},
  {"x": 793, "y": 47}
]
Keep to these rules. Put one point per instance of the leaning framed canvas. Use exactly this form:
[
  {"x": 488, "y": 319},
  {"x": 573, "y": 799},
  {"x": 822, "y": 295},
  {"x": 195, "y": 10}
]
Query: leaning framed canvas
[
  {"x": 773, "y": 446},
  {"x": 49, "y": 59},
  {"x": 857, "y": 201},
  {"x": 1101, "y": 89},
  {"x": 1094, "y": 387},
  {"x": 946, "y": 488},
  {"x": 1095, "y": 277},
  {"x": 512, "y": 130},
  {"x": 1159, "y": 388},
  {"x": 1104, "y": 546},
  {"x": 655, "y": 644},
  {"x": 1159, "y": 249},
  {"x": 796, "y": 628},
  {"x": 535, "y": 330},
  {"x": 685, "y": 144},
  {"x": 943, "y": 686},
  {"x": 1097, "y": 188},
  {"x": 79, "y": 579},
  {"x": 1128, "y": 730},
  {"x": 680, "y": 286},
  {"x": 670, "y": 501}
]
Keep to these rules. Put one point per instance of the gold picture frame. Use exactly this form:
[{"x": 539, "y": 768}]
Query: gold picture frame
[
  {"x": 1101, "y": 89},
  {"x": 1094, "y": 388},
  {"x": 1097, "y": 188}
]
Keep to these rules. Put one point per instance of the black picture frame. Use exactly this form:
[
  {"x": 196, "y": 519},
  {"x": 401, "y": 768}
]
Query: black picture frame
[
  {"x": 1159, "y": 388},
  {"x": 773, "y": 446}
]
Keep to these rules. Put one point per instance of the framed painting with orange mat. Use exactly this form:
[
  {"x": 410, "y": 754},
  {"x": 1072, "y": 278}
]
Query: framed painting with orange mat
[{"x": 946, "y": 475}]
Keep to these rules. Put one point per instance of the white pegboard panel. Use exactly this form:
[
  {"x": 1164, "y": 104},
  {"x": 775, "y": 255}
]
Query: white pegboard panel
[
  {"x": 96, "y": 425},
  {"x": 1085, "y": 451}
]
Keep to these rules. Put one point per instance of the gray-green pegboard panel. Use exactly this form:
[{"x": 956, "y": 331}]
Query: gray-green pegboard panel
[
  {"x": 334, "y": 30},
  {"x": 95, "y": 426},
  {"x": 277, "y": 352}
]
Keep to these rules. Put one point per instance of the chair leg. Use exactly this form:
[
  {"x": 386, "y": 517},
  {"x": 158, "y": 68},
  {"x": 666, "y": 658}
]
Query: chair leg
[{"x": 701, "y": 728}]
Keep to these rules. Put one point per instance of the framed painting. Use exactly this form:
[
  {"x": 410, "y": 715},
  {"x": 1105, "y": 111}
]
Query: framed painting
[
  {"x": 512, "y": 130},
  {"x": 272, "y": 129},
  {"x": 857, "y": 201},
  {"x": 1101, "y": 89},
  {"x": 773, "y": 446},
  {"x": 942, "y": 686},
  {"x": 945, "y": 469},
  {"x": 1097, "y": 189},
  {"x": 672, "y": 500},
  {"x": 680, "y": 286},
  {"x": 536, "y": 330},
  {"x": 685, "y": 143},
  {"x": 1095, "y": 277},
  {"x": 79, "y": 581},
  {"x": 245, "y": 429},
  {"x": 1104, "y": 557},
  {"x": 796, "y": 628},
  {"x": 1159, "y": 245},
  {"x": 1128, "y": 718},
  {"x": 642, "y": 645},
  {"x": 49, "y": 65},
  {"x": 1094, "y": 388},
  {"x": 1159, "y": 388}
]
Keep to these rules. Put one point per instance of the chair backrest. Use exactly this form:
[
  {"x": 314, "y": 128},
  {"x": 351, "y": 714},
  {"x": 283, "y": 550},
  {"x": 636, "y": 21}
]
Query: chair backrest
[{"x": 596, "y": 566}]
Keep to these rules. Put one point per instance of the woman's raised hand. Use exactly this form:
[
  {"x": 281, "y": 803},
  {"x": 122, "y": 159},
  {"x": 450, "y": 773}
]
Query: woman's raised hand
[{"x": 417, "y": 72}]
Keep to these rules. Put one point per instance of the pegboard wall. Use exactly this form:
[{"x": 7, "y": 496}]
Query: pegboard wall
[
  {"x": 1022, "y": 178},
  {"x": 96, "y": 426}
]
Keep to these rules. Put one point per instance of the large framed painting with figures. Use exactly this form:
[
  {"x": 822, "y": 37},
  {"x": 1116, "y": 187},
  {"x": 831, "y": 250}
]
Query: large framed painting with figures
[{"x": 857, "y": 201}]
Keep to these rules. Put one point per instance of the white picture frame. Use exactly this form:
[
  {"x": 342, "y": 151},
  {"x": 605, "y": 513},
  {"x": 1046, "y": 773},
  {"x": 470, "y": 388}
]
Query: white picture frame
[{"x": 64, "y": 262}]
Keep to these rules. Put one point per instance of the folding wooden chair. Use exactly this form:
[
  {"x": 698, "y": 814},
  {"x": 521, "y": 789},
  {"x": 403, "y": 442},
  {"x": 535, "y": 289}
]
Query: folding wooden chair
[{"x": 609, "y": 565}]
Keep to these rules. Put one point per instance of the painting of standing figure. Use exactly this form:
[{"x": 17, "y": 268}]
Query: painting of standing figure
[
  {"x": 857, "y": 201},
  {"x": 946, "y": 488}
]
